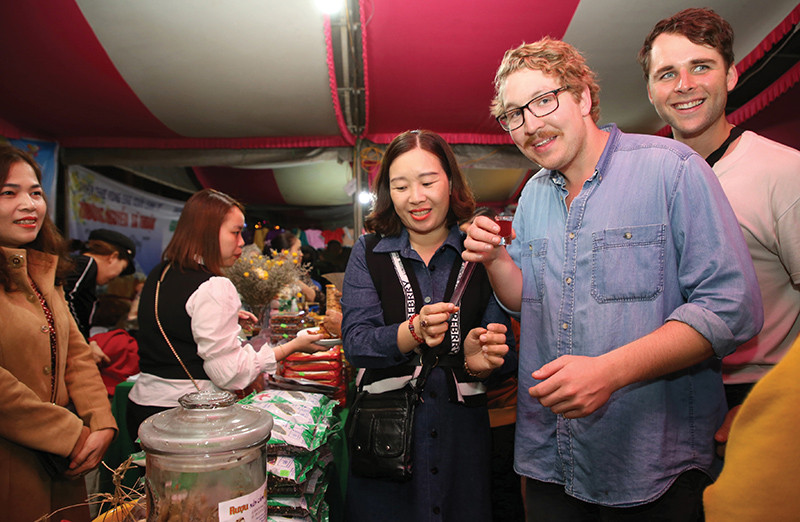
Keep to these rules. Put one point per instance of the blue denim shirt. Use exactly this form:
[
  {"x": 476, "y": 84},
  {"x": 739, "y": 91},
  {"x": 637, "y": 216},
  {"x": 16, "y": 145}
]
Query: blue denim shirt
[{"x": 650, "y": 238}]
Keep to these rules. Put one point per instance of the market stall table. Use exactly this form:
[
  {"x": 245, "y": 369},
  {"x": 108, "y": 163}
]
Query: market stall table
[{"x": 123, "y": 447}]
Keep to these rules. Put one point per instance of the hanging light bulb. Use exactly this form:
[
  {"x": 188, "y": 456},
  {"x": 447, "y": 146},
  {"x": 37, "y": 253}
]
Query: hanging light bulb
[
  {"x": 329, "y": 7},
  {"x": 364, "y": 197}
]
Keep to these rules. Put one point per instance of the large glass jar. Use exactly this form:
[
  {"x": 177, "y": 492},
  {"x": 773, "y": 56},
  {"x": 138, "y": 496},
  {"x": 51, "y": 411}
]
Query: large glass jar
[{"x": 206, "y": 460}]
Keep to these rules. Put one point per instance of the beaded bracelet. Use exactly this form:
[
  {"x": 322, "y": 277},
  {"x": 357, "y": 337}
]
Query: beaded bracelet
[
  {"x": 481, "y": 374},
  {"x": 411, "y": 329}
]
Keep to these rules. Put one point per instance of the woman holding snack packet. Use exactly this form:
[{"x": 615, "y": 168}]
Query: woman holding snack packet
[
  {"x": 190, "y": 314},
  {"x": 55, "y": 418},
  {"x": 397, "y": 317}
]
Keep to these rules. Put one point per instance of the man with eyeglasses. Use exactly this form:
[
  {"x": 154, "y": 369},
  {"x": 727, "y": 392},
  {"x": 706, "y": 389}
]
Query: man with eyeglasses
[{"x": 632, "y": 280}]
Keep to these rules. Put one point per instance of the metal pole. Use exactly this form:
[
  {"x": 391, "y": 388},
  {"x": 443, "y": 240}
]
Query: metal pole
[{"x": 358, "y": 214}]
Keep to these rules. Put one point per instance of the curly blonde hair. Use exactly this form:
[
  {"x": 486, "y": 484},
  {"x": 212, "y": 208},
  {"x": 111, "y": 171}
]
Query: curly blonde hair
[{"x": 552, "y": 57}]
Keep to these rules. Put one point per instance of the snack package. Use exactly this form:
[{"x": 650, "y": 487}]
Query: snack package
[
  {"x": 292, "y": 469},
  {"x": 334, "y": 354},
  {"x": 302, "y": 421},
  {"x": 284, "y": 326},
  {"x": 300, "y": 506},
  {"x": 331, "y": 299},
  {"x": 320, "y": 367},
  {"x": 279, "y": 382},
  {"x": 310, "y": 366},
  {"x": 288, "y": 506},
  {"x": 326, "y": 376},
  {"x": 295, "y": 406}
]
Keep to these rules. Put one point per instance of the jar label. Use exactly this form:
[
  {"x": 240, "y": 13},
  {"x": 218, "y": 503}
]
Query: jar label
[{"x": 247, "y": 508}]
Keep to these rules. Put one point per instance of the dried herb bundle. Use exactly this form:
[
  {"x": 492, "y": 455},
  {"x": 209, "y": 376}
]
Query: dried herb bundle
[{"x": 259, "y": 279}]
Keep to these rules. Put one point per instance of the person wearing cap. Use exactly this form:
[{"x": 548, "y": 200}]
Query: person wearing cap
[{"x": 106, "y": 255}]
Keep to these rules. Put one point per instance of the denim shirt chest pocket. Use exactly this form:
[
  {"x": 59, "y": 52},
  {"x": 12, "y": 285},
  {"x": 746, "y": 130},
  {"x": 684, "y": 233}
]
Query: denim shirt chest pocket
[
  {"x": 628, "y": 263},
  {"x": 534, "y": 256}
]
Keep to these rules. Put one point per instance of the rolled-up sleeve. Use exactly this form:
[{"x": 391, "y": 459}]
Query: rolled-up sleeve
[{"x": 715, "y": 271}]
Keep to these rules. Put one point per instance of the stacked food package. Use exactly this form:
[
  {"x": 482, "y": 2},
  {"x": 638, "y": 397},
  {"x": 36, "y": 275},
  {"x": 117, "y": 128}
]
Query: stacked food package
[
  {"x": 298, "y": 453},
  {"x": 324, "y": 367},
  {"x": 284, "y": 326}
]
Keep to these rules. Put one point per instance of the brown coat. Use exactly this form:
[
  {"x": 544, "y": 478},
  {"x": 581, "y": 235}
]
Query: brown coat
[{"x": 27, "y": 417}]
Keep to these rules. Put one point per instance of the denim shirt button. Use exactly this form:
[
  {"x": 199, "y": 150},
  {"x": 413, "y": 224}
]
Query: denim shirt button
[
  {"x": 564, "y": 326},
  {"x": 627, "y": 235},
  {"x": 572, "y": 235},
  {"x": 568, "y": 280}
]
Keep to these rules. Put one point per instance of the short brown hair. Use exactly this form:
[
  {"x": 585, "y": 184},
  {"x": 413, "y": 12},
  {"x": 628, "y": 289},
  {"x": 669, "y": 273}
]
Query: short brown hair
[
  {"x": 196, "y": 235},
  {"x": 700, "y": 26},
  {"x": 384, "y": 219},
  {"x": 110, "y": 310},
  {"x": 49, "y": 239},
  {"x": 552, "y": 57}
]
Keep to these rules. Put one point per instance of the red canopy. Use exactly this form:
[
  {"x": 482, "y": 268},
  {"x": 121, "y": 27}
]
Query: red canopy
[{"x": 218, "y": 85}]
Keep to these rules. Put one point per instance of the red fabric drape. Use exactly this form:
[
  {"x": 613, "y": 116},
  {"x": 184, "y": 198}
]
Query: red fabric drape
[
  {"x": 770, "y": 40},
  {"x": 767, "y": 96}
]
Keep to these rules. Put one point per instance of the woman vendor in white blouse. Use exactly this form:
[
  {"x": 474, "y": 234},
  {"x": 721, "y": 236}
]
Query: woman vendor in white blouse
[{"x": 189, "y": 314}]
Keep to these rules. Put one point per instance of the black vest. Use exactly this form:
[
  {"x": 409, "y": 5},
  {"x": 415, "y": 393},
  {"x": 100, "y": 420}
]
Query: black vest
[
  {"x": 155, "y": 356},
  {"x": 392, "y": 297}
]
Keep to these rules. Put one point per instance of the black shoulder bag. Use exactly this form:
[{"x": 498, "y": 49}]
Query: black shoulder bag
[{"x": 380, "y": 427}]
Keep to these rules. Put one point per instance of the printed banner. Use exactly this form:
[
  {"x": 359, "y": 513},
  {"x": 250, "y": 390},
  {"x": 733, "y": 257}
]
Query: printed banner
[
  {"x": 95, "y": 201},
  {"x": 46, "y": 155}
]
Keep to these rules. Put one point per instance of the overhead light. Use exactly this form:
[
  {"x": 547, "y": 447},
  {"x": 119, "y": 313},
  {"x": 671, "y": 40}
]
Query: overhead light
[
  {"x": 364, "y": 197},
  {"x": 330, "y": 7}
]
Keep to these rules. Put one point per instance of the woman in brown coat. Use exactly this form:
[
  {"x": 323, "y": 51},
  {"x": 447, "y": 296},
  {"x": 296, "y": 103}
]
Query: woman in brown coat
[{"x": 45, "y": 363}]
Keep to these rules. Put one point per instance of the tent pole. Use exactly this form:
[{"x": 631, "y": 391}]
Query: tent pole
[{"x": 358, "y": 214}]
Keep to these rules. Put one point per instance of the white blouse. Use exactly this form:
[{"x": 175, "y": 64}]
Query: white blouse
[{"x": 230, "y": 364}]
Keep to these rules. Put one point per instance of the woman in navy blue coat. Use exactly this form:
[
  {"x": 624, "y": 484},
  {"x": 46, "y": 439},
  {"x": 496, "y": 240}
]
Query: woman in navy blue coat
[{"x": 395, "y": 302}]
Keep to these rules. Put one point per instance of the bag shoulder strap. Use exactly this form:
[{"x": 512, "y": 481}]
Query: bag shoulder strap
[{"x": 161, "y": 328}]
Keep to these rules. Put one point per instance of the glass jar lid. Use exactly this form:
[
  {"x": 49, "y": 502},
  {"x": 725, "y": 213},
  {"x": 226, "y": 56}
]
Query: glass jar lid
[{"x": 205, "y": 423}]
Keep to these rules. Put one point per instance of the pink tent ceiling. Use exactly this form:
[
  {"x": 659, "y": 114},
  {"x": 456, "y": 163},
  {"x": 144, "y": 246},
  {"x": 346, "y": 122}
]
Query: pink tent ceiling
[{"x": 216, "y": 85}]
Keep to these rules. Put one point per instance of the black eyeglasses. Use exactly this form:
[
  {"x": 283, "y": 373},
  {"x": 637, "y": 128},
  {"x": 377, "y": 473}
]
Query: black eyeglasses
[{"x": 540, "y": 107}]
